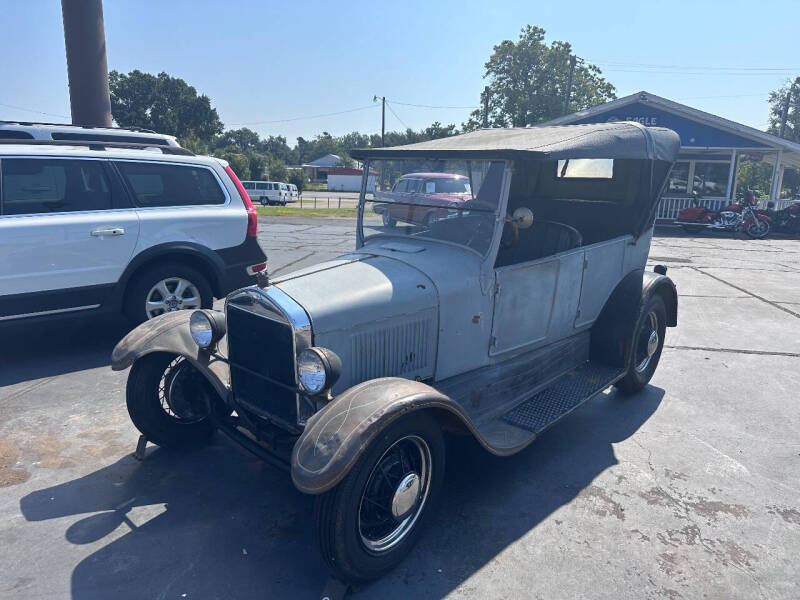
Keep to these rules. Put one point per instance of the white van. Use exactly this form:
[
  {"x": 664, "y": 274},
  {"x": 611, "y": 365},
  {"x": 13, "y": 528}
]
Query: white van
[
  {"x": 294, "y": 194},
  {"x": 267, "y": 192}
]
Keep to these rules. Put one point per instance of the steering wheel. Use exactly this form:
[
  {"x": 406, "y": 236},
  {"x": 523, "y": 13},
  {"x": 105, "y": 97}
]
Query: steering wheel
[{"x": 509, "y": 225}]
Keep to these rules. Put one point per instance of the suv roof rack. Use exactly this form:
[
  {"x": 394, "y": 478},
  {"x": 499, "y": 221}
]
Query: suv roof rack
[
  {"x": 138, "y": 129},
  {"x": 95, "y": 145}
]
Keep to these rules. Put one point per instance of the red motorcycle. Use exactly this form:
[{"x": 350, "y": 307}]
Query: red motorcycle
[{"x": 737, "y": 216}]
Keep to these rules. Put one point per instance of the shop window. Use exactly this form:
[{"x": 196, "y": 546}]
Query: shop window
[
  {"x": 679, "y": 179},
  {"x": 711, "y": 178}
]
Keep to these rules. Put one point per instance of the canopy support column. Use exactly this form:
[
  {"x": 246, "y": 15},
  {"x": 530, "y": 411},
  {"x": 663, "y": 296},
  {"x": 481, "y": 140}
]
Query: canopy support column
[
  {"x": 732, "y": 175},
  {"x": 775, "y": 189}
]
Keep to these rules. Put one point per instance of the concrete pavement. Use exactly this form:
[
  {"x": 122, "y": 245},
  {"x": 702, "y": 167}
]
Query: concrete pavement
[{"x": 687, "y": 490}]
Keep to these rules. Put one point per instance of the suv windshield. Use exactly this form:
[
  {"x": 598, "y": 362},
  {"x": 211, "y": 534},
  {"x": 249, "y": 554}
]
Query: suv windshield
[{"x": 453, "y": 201}]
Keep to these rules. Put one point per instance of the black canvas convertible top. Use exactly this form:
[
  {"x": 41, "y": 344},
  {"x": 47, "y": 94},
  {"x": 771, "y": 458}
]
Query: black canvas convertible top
[{"x": 626, "y": 139}]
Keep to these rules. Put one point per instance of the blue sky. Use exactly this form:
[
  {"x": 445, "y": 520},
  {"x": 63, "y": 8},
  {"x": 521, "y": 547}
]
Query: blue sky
[{"x": 271, "y": 61}]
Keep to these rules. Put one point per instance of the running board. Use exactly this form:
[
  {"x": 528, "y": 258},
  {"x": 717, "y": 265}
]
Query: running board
[{"x": 512, "y": 431}]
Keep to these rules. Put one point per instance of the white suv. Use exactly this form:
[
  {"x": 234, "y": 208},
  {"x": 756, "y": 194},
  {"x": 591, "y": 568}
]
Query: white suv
[{"x": 144, "y": 229}]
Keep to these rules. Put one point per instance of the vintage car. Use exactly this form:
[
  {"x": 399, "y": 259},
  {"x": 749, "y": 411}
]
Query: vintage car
[
  {"x": 420, "y": 198},
  {"x": 493, "y": 321}
]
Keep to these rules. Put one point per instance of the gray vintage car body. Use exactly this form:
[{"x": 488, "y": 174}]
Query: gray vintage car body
[{"x": 482, "y": 341}]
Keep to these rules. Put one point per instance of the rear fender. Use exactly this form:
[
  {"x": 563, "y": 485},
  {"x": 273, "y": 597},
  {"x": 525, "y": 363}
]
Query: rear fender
[
  {"x": 613, "y": 330},
  {"x": 170, "y": 333},
  {"x": 336, "y": 436}
]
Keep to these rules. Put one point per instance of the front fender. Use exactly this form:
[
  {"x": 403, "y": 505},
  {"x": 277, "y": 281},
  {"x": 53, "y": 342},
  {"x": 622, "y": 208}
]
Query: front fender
[
  {"x": 170, "y": 333},
  {"x": 336, "y": 436}
]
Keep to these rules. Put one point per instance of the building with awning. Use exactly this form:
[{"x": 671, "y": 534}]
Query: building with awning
[
  {"x": 718, "y": 157},
  {"x": 317, "y": 170}
]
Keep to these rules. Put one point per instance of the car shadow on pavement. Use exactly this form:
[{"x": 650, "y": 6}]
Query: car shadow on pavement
[
  {"x": 216, "y": 522},
  {"x": 33, "y": 350}
]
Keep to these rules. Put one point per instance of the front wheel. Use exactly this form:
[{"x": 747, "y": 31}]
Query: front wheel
[
  {"x": 169, "y": 401},
  {"x": 757, "y": 229},
  {"x": 647, "y": 343},
  {"x": 166, "y": 288},
  {"x": 369, "y": 522}
]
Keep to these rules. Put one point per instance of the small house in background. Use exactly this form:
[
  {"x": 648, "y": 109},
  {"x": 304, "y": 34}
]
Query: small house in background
[
  {"x": 317, "y": 170},
  {"x": 718, "y": 157},
  {"x": 349, "y": 180}
]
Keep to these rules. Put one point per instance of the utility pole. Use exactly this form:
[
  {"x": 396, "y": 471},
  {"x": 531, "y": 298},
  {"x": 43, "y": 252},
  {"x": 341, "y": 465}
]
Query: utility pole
[
  {"x": 383, "y": 121},
  {"x": 572, "y": 60},
  {"x": 486, "y": 107},
  {"x": 87, "y": 68},
  {"x": 787, "y": 102}
]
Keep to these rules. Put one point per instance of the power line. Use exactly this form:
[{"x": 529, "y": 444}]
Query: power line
[
  {"x": 396, "y": 117},
  {"x": 430, "y": 105},
  {"x": 695, "y": 67},
  {"x": 332, "y": 114},
  {"x": 38, "y": 112}
]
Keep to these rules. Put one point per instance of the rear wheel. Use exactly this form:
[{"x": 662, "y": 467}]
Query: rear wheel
[
  {"x": 388, "y": 221},
  {"x": 169, "y": 401},
  {"x": 369, "y": 522},
  {"x": 166, "y": 288},
  {"x": 757, "y": 229},
  {"x": 647, "y": 343}
]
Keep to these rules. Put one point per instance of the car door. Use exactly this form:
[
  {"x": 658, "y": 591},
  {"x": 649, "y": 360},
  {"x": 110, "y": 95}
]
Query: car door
[
  {"x": 535, "y": 302},
  {"x": 67, "y": 232},
  {"x": 602, "y": 271}
]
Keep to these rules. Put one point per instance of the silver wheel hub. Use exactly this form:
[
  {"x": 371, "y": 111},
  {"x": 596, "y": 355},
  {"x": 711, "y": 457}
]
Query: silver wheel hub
[
  {"x": 405, "y": 496},
  {"x": 171, "y": 294},
  {"x": 652, "y": 343}
]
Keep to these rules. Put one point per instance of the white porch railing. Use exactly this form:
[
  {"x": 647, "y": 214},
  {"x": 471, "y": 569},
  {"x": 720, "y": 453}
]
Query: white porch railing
[{"x": 669, "y": 208}]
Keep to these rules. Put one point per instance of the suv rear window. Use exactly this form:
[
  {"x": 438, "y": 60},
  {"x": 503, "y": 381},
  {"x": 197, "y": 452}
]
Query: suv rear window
[
  {"x": 159, "y": 184},
  {"x": 35, "y": 186}
]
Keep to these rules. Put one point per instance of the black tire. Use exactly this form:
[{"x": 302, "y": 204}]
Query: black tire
[
  {"x": 264, "y": 202},
  {"x": 148, "y": 408},
  {"x": 387, "y": 219},
  {"x": 637, "y": 377},
  {"x": 138, "y": 290},
  {"x": 339, "y": 528},
  {"x": 757, "y": 229}
]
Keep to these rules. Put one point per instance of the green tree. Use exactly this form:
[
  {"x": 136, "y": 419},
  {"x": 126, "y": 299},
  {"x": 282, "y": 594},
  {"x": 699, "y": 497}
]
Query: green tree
[
  {"x": 278, "y": 171},
  {"x": 299, "y": 178},
  {"x": 528, "y": 81},
  {"x": 777, "y": 103},
  {"x": 258, "y": 165},
  {"x": 238, "y": 161},
  {"x": 162, "y": 103}
]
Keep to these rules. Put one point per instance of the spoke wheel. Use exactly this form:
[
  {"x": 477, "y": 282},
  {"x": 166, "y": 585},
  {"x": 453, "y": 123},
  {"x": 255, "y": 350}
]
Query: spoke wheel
[
  {"x": 171, "y": 294},
  {"x": 395, "y": 494},
  {"x": 645, "y": 346},
  {"x": 647, "y": 343},
  {"x": 369, "y": 522}
]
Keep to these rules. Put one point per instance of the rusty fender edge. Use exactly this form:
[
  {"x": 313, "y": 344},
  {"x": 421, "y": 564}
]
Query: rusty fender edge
[
  {"x": 336, "y": 436},
  {"x": 170, "y": 333}
]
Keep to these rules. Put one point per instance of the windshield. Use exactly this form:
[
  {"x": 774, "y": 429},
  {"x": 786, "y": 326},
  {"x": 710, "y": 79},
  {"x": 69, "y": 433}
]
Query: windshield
[{"x": 453, "y": 201}]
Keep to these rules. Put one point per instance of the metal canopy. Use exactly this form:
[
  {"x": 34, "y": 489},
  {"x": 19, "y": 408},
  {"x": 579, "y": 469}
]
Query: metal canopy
[{"x": 598, "y": 140}]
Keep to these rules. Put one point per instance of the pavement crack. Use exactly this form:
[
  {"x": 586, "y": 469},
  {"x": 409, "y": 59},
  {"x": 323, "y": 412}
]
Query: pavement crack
[
  {"x": 748, "y": 292},
  {"x": 735, "y": 351}
]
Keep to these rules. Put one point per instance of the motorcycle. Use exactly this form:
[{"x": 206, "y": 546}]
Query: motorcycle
[
  {"x": 737, "y": 216},
  {"x": 786, "y": 220}
]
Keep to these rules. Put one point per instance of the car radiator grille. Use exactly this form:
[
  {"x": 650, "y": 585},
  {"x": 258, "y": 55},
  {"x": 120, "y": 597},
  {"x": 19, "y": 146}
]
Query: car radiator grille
[{"x": 261, "y": 354}]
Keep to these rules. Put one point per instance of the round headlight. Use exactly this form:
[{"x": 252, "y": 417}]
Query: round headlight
[
  {"x": 318, "y": 369},
  {"x": 311, "y": 371},
  {"x": 207, "y": 327}
]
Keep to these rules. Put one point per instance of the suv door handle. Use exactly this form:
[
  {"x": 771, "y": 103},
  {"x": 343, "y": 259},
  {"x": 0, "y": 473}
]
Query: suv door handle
[{"x": 108, "y": 231}]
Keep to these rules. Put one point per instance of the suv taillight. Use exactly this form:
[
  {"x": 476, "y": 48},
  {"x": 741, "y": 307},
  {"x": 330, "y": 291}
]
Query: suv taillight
[{"x": 252, "y": 214}]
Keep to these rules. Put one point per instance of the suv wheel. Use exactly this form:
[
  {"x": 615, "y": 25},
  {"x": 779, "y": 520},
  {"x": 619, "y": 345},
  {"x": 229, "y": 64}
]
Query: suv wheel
[
  {"x": 369, "y": 522},
  {"x": 166, "y": 288}
]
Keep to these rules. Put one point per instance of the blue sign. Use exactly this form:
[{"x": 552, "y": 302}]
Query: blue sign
[{"x": 692, "y": 133}]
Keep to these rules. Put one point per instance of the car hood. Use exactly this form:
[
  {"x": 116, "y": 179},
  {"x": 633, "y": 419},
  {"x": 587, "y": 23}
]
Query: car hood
[{"x": 357, "y": 289}]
